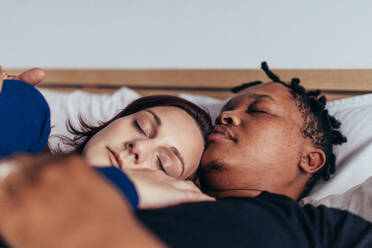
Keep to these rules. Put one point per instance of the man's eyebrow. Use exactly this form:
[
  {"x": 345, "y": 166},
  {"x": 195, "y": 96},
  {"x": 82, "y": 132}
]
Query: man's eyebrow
[
  {"x": 179, "y": 156},
  {"x": 155, "y": 116},
  {"x": 262, "y": 96},
  {"x": 254, "y": 95}
]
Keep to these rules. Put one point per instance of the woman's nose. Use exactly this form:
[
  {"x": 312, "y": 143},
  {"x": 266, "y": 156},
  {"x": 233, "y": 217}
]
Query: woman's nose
[
  {"x": 228, "y": 118},
  {"x": 140, "y": 149}
]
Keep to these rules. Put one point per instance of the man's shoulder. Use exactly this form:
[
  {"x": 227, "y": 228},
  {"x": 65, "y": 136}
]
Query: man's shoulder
[
  {"x": 233, "y": 221},
  {"x": 228, "y": 222},
  {"x": 266, "y": 202}
]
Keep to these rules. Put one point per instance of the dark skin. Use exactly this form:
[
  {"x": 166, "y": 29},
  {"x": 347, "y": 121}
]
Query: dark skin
[
  {"x": 39, "y": 209},
  {"x": 267, "y": 151}
]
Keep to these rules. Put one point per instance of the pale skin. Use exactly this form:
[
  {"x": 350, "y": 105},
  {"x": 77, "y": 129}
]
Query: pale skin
[
  {"x": 149, "y": 139},
  {"x": 149, "y": 146}
]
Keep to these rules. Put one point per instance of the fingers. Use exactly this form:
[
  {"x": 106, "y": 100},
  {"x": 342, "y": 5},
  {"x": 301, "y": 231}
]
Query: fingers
[
  {"x": 2, "y": 76},
  {"x": 189, "y": 192},
  {"x": 198, "y": 196},
  {"x": 193, "y": 196},
  {"x": 23, "y": 176},
  {"x": 186, "y": 185},
  {"x": 32, "y": 76},
  {"x": 32, "y": 172}
]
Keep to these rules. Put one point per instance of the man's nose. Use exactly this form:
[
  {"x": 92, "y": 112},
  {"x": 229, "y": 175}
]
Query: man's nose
[{"x": 229, "y": 118}]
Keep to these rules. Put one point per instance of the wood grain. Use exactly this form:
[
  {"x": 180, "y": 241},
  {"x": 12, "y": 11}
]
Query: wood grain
[{"x": 212, "y": 82}]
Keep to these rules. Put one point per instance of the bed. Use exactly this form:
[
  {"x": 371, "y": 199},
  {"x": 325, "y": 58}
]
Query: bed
[
  {"x": 336, "y": 84},
  {"x": 99, "y": 94}
]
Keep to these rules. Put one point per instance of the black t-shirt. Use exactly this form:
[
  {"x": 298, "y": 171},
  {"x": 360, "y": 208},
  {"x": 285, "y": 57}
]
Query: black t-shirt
[{"x": 268, "y": 220}]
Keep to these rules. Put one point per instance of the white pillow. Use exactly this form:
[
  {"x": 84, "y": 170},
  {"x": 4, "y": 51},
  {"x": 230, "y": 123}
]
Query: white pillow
[
  {"x": 93, "y": 108},
  {"x": 357, "y": 200},
  {"x": 354, "y": 158},
  {"x": 212, "y": 105}
]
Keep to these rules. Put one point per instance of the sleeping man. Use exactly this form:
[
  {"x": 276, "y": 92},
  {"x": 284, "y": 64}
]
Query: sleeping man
[{"x": 270, "y": 145}]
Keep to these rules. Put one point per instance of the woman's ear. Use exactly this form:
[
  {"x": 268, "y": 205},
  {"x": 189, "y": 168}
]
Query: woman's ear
[{"x": 313, "y": 160}]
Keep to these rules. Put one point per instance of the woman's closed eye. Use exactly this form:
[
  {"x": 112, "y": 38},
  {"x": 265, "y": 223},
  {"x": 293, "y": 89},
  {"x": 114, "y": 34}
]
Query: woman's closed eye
[
  {"x": 160, "y": 164},
  {"x": 142, "y": 128},
  {"x": 166, "y": 162},
  {"x": 139, "y": 128}
]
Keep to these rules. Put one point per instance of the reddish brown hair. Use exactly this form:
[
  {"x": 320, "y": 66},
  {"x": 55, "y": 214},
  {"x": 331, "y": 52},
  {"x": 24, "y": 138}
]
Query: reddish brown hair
[{"x": 86, "y": 131}]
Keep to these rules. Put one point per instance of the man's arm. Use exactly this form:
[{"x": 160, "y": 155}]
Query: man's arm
[{"x": 61, "y": 202}]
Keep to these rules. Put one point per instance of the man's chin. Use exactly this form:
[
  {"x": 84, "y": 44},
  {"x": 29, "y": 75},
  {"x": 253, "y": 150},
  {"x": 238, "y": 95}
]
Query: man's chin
[
  {"x": 216, "y": 165},
  {"x": 213, "y": 152},
  {"x": 211, "y": 174}
]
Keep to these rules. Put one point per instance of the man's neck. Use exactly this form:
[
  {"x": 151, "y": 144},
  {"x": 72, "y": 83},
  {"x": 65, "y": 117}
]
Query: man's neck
[{"x": 234, "y": 192}]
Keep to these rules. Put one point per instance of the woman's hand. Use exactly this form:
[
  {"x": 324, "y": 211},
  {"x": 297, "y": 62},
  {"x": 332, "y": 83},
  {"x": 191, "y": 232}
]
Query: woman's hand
[
  {"x": 155, "y": 189},
  {"x": 32, "y": 76}
]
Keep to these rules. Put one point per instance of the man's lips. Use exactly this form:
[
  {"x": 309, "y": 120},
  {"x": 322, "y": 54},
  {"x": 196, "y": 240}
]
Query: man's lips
[
  {"x": 222, "y": 132},
  {"x": 114, "y": 158}
]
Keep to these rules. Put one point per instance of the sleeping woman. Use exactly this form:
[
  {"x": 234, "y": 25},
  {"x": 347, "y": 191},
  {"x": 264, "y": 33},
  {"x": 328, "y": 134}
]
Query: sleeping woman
[
  {"x": 160, "y": 132},
  {"x": 163, "y": 135}
]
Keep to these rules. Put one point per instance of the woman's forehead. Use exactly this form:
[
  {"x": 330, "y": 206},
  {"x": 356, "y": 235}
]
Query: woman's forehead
[
  {"x": 175, "y": 119},
  {"x": 189, "y": 142}
]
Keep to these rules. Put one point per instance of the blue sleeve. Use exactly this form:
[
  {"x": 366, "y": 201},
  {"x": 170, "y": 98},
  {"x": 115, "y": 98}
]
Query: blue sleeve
[
  {"x": 24, "y": 119},
  {"x": 122, "y": 182},
  {"x": 25, "y": 127}
]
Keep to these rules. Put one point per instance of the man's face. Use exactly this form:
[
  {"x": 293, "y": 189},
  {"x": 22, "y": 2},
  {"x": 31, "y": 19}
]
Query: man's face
[{"x": 257, "y": 143}]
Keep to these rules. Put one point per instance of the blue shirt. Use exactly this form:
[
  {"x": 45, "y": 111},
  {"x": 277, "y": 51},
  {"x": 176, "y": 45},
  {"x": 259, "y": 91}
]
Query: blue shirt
[{"x": 25, "y": 127}]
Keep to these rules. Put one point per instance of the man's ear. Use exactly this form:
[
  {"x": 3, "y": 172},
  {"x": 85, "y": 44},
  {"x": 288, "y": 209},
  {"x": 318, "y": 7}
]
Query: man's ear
[{"x": 313, "y": 160}]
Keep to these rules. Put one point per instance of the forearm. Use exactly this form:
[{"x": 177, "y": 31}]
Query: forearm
[
  {"x": 132, "y": 234},
  {"x": 81, "y": 209}
]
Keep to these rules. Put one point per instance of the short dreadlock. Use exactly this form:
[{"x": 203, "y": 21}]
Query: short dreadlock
[{"x": 319, "y": 126}]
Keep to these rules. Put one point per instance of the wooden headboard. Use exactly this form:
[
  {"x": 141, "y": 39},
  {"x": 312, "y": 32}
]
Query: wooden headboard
[{"x": 335, "y": 84}]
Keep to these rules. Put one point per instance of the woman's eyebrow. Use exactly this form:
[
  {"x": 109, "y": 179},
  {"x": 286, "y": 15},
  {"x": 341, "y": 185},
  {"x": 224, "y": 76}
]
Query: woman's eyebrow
[
  {"x": 155, "y": 116},
  {"x": 179, "y": 156}
]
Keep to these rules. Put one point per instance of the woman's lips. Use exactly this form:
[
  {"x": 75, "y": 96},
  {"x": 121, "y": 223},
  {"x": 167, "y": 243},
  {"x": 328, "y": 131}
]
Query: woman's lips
[{"x": 114, "y": 158}]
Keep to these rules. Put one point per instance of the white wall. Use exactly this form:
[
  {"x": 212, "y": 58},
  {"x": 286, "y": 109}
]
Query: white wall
[{"x": 186, "y": 34}]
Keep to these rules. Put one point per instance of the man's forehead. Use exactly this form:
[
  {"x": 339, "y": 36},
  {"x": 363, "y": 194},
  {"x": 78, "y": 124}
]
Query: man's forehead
[{"x": 274, "y": 92}]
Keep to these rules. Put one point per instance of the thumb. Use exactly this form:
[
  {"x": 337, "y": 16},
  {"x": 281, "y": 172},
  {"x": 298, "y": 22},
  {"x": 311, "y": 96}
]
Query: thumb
[
  {"x": 1, "y": 84},
  {"x": 32, "y": 76}
]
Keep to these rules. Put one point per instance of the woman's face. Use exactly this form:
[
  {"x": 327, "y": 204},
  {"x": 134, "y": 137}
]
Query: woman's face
[{"x": 158, "y": 138}]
